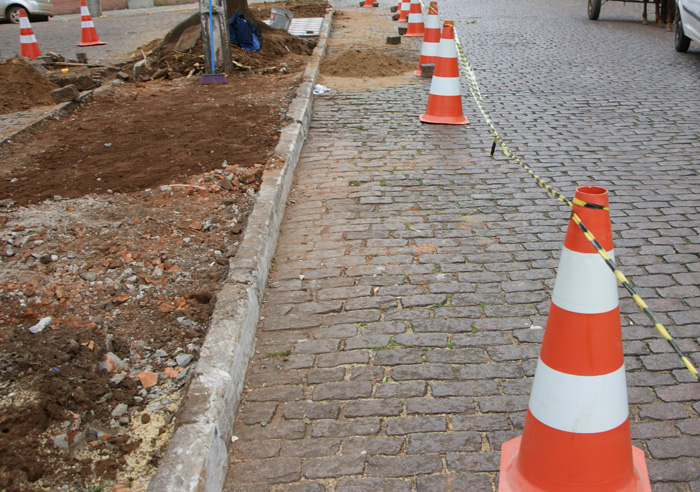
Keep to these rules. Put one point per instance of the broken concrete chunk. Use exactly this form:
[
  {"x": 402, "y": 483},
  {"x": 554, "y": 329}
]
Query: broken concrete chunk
[
  {"x": 65, "y": 94},
  {"x": 184, "y": 359},
  {"x": 120, "y": 410},
  {"x": 41, "y": 325},
  {"x": 142, "y": 71}
]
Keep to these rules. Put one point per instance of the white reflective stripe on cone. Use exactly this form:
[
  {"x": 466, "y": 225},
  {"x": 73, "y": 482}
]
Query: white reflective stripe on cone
[
  {"x": 432, "y": 22},
  {"x": 429, "y": 49},
  {"x": 579, "y": 404},
  {"x": 447, "y": 49},
  {"x": 86, "y": 24},
  {"x": 585, "y": 284},
  {"x": 27, "y": 39},
  {"x": 445, "y": 86}
]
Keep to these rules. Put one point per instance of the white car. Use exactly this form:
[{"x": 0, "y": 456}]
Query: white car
[
  {"x": 688, "y": 26},
  {"x": 38, "y": 10}
]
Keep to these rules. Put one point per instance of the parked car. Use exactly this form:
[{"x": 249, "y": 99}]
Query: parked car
[
  {"x": 688, "y": 25},
  {"x": 38, "y": 10}
]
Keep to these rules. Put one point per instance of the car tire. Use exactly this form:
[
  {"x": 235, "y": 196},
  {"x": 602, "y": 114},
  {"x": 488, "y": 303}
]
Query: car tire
[
  {"x": 682, "y": 41},
  {"x": 12, "y": 14},
  {"x": 593, "y": 9}
]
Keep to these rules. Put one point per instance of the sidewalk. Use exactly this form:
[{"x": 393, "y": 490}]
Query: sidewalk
[{"x": 401, "y": 323}]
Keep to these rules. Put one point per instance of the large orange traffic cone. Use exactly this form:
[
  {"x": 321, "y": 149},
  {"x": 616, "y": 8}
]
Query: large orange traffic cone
[
  {"x": 88, "y": 34},
  {"x": 577, "y": 432},
  {"x": 27, "y": 41},
  {"x": 415, "y": 20},
  {"x": 431, "y": 39},
  {"x": 445, "y": 99},
  {"x": 404, "y": 10}
]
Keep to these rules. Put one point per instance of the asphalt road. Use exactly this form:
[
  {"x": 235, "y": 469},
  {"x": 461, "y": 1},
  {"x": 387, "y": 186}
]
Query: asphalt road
[{"x": 123, "y": 31}]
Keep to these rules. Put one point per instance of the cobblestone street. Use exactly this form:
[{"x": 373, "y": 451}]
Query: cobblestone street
[{"x": 399, "y": 335}]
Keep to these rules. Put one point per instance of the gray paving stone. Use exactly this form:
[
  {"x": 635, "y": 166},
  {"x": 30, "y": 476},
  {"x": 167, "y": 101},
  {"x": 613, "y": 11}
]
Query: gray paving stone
[
  {"x": 459, "y": 481},
  {"x": 408, "y": 466},
  {"x": 420, "y": 285},
  {"x": 372, "y": 485}
]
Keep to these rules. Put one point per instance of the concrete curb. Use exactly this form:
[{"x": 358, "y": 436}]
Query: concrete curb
[{"x": 197, "y": 458}]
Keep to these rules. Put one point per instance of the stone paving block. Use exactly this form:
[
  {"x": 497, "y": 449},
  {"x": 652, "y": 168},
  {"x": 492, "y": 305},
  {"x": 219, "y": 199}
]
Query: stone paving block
[
  {"x": 310, "y": 448},
  {"x": 254, "y": 413},
  {"x": 343, "y": 358},
  {"x": 408, "y": 466},
  {"x": 256, "y": 450},
  {"x": 355, "y": 427},
  {"x": 276, "y": 470},
  {"x": 280, "y": 393},
  {"x": 334, "y": 466},
  {"x": 398, "y": 356},
  {"x": 373, "y": 408},
  {"x": 410, "y": 425},
  {"x": 426, "y": 371},
  {"x": 346, "y": 390},
  {"x": 372, "y": 485},
  {"x": 679, "y": 470},
  {"x": 373, "y": 446},
  {"x": 305, "y": 487},
  {"x": 429, "y": 406},
  {"x": 442, "y": 442},
  {"x": 318, "y": 376},
  {"x": 459, "y": 481},
  {"x": 490, "y": 371},
  {"x": 680, "y": 392},
  {"x": 280, "y": 430},
  {"x": 311, "y": 410},
  {"x": 316, "y": 346},
  {"x": 674, "y": 448}
]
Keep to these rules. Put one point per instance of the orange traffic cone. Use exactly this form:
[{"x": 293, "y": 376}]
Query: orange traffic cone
[
  {"x": 431, "y": 39},
  {"x": 88, "y": 34},
  {"x": 577, "y": 432},
  {"x": 404, "y": 10},
  {"x": 445, "y": 99},
  {"x": 415, "y": 20},
  {"x": 370, "y": 3},
  {"x": 27, "y": 41}
]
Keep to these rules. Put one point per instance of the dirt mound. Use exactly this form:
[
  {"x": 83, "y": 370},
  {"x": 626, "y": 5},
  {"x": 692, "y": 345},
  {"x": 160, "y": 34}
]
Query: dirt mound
[
  {"x": 358, "y": 63},
  {"x": 135, "y": 139},
  {"x": 278, "y": 50},
  {"x": 302, "y": 9},
  {"x": 21, "y": 87}
]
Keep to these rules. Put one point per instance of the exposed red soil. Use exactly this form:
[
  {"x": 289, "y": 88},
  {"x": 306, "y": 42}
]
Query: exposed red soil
[{"x": 118, "y": 222}]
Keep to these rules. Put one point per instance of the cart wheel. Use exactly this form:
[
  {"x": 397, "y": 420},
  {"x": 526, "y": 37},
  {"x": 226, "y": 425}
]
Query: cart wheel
[
  {"x": 593, "y": 9},
  {"x": 682, "y": 41}
]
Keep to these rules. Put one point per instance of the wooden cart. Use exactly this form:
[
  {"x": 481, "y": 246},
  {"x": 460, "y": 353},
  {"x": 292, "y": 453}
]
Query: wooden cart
[{"x": 663, "y": 8}]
